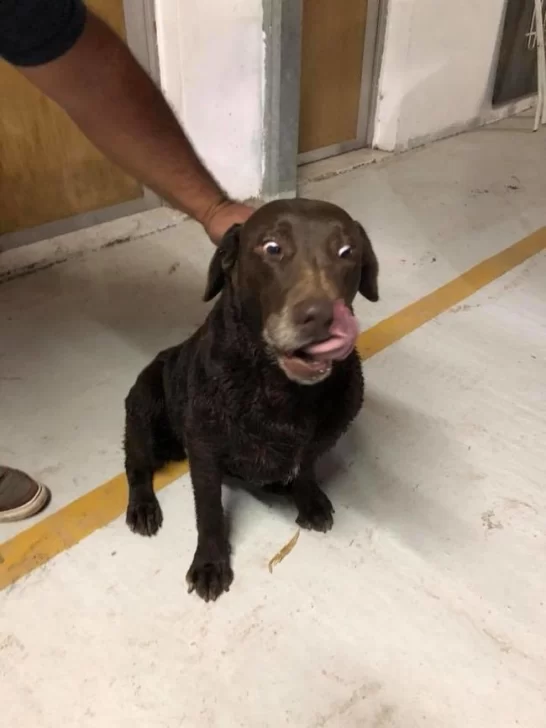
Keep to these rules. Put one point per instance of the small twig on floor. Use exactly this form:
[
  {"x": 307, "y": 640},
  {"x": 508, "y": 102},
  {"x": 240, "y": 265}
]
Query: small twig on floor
[{"x": 283, "y": 553}]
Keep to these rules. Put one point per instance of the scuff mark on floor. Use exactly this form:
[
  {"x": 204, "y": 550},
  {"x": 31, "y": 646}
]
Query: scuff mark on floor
[
  {"x": 489, "y": 523},
  {"x": 364, "y": 692}
]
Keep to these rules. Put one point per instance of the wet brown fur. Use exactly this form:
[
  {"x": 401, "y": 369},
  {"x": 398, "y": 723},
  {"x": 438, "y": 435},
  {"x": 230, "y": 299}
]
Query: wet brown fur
[{"x": 220, "y": 397}]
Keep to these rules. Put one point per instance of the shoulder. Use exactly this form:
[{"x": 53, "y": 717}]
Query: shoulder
[{"x": 34, "y": 32}]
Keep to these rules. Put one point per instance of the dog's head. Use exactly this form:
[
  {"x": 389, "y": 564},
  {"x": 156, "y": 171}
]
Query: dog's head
[{"x": 296, "y": 266}]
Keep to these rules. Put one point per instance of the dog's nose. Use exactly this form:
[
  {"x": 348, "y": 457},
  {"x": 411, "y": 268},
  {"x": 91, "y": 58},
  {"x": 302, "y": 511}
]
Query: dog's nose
[{"x": 314, "y": 316}]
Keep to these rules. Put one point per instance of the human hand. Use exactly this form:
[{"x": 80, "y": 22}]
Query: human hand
[{"x": 223, "y": 216}]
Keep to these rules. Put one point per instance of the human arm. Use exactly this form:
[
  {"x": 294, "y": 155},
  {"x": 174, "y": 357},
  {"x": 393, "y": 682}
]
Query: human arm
[{"x": 109, "y": 96}]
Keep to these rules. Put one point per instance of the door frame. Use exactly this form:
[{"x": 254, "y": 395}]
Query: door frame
[
  {"x": 141, "y": 38},
  {"x": 282, "y": 34}
]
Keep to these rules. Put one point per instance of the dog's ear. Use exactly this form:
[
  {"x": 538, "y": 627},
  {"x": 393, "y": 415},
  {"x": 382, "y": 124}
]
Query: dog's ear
[
  {"x": 370, "y": 267},
  {"x": 222, "y": 262}
]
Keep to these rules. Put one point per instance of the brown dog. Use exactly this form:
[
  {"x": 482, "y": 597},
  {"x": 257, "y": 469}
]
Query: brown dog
[{"x": 237, "y": 397}]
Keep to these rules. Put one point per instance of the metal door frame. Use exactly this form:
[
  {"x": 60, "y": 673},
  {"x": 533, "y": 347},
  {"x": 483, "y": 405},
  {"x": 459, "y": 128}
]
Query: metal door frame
[
  {"x": 282, "y": 32},
  {"x": 141, "y": 38}
]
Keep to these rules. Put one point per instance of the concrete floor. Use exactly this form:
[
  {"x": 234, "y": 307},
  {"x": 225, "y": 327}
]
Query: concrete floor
[{"x": 425, "y": 606}]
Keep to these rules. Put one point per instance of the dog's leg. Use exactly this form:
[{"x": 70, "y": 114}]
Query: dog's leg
[
  {"x": 149, "y": 444},
  {"x": 315, "y": 510},
  {"x": 210, "y": 573},
  {"x": 144, "y": 513}
]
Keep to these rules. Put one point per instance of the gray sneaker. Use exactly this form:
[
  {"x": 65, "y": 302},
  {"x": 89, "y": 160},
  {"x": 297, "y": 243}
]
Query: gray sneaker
[{"x": 20, "y": 496}]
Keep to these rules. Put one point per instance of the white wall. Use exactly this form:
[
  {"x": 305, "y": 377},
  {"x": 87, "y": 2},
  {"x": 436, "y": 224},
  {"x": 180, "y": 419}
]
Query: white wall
[
  {"x": 437, "y": 69},
  {"x": 211, "y": 57},
  {"x": 436, "y": 77}
]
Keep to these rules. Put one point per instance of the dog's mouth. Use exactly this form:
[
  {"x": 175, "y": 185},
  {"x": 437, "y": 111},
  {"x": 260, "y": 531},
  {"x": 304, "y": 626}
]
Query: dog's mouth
[
  {"x": 303, "y": 367},
  {"x": 313, "y": 362}
]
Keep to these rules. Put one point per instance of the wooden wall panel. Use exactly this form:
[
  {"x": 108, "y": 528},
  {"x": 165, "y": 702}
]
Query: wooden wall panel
[
  {"x": 48, "y": 169},
  {"x": 331, "y": 71}
]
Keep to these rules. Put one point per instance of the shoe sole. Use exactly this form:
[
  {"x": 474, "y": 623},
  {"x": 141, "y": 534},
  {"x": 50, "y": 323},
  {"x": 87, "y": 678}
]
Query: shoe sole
[{"x": 27, "y": 510}]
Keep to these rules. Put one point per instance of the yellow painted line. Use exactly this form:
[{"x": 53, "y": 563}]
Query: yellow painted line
[{"x": 69, "y": 525}]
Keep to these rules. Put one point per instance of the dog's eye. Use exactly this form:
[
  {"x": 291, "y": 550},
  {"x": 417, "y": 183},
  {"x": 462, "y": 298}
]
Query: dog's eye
[
  {"x": 344, "y": 251},
  {"x": 272, "y": 248}
]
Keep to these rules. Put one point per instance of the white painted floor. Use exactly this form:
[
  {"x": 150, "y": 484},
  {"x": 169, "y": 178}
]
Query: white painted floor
[{"x": 425, "y": 606}]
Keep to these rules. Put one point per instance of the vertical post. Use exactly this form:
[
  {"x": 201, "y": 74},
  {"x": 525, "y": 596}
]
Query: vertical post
[
  {"x": 540, "y": 115},
  {"x": 282, "y": 36}
]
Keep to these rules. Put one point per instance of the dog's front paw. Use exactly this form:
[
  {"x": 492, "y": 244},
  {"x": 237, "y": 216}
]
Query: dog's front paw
[
  {"x": 144, "y": 516},
  {"x": 316, "y": 512},
  {"x": 209, "y": 577}
]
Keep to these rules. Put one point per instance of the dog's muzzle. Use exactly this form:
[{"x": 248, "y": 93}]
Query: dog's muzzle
[{"x": 310, "y": 362}]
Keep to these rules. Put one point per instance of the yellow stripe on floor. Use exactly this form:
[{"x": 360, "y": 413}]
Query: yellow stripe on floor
[
  {"x": 69, "y": 525},
  {"x": 64, "y": 528}
]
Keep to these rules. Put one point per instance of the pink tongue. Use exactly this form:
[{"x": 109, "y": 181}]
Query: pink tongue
[{"x": 343, "y": 333}]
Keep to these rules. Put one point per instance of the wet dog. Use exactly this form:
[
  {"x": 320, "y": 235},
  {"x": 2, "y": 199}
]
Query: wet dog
[{"x": 269, "y": 382}]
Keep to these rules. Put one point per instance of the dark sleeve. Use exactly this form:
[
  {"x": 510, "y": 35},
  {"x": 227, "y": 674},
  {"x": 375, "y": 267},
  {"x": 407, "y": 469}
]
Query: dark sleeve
[{"x": 33, "y": 32}]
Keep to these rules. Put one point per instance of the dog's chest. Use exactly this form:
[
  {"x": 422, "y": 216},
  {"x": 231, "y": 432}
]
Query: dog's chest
[
  {"x": 265, "y": 447},
  {"x": 269, "y": 442},
  {"x": 264, "y": 429}
]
